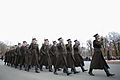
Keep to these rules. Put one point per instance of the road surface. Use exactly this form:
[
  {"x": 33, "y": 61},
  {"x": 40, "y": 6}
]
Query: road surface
[{"x": 10, "y": 73}]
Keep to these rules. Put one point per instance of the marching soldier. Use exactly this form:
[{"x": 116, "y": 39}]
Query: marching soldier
[
  {"x": 34, "y": 48},
  {"x": 70, "y": 56},
  {"x": 24, "y": 51},
  {"x": 29, "y": 58},
  {"x": 22, "y": 55},
  {"x": 78, "y": 58},
  {"x": 12, "y": 55},
  {"x": 7, "y": 57},
  {"x": 61, "y": 61},
  {"x": 98, "y": 61},
  {"x": 53, "y": 52},
  {"x": 18, "y": 54},
  {"x": 45, "y": 55}
]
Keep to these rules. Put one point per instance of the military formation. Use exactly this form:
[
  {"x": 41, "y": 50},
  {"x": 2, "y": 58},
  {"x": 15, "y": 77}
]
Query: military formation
[{"x": 56, "y": 57}]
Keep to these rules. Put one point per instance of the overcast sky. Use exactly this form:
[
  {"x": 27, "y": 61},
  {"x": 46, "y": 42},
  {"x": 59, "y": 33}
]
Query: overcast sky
[{"x": 76, "y": 19}]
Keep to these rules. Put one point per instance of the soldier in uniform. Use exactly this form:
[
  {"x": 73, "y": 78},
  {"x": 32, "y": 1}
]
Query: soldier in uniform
[
  {"x": 34, "y": 48},
  {"x": 45, "y": 55},
  {"x": 18, "y": 53},
  {"x": 22, "y": 54},
  {"x": 53, "y": 52},
  {"x": 61, "y": 61},
  {"x": 12, "y": 56},
  {"x": 29, "y": 58},
  {"x": 98, "y": 61},
  {"x": 24, "y": 51},
  {"x": 70, "y": 56},
  {"x": 7, "y": 57},
  {"x": 78, "y": 58}
]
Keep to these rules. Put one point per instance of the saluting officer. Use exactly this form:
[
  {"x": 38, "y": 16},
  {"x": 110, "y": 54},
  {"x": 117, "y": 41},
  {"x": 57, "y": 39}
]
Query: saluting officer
[
  {"x": 98, "y": 61},
  {"x": 79, "y": 62}
]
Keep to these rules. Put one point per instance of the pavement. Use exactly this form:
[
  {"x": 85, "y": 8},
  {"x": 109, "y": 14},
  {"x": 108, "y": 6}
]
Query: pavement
[
  {"x": 113, "y": 61},
  {"x": 10, "y": 73}
]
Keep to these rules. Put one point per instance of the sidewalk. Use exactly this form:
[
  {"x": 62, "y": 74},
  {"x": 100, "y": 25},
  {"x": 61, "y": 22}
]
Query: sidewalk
[{"x": 113, "y": 61}]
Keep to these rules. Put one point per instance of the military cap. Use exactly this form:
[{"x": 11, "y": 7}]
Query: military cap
[
  {"x": 19, "y": 43},
  {"x": 75, "y": 40},
  {"x": 15, "y": 45},
  {"x": 59, "y": 39},
  {"x": 34, "y": 39},
  {"x": 54, "y": 42},
  {"x": 69, "y": 40},
  {"x": 46, "y": 40},
  {"x": 24, "y": 42},
  {"x": 96, "y": 35}
]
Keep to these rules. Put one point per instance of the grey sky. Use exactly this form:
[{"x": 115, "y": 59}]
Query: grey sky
[{"x": 76, "y": 19}]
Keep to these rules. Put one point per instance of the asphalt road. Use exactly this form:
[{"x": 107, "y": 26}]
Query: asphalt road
[{"x": 10, "y": 73}]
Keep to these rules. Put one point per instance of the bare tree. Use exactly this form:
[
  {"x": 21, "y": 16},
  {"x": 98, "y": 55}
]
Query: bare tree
[
  {"x": 2, "y": 47},
  {"x": 119, "y": 46},
  {"x": 114, "y": 37},
  {"x": 89, "y": 44},
  {"x": 105, "y": 45}
]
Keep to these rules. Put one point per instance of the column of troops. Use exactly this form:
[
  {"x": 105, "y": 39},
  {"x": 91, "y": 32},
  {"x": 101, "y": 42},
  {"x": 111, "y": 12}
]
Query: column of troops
[{"x": 54, "y": 57}]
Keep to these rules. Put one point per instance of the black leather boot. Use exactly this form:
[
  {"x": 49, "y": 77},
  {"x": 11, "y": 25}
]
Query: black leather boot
[
  {"x": 36, "y": 69},
  {"x": 26, "y": 67},
  {"x": 83, "y": 70},
  {"x": 47, "y": 67},
  {"x": 50, "y": 69},
  {"x": 55, "y": 71},
  {"x": 90, "y": 72},
  {"x": 20, "y": 67},
  {"x": 67, "y": 72},
  {"x": 74, "y": 70},
  {"x": 64, "y": 70},
  {"x": 15, "y": 66},
  {"x": 41, "y": 68},
  {"x": 107, "y": 72},
  {"x": 59, "y": 69}
]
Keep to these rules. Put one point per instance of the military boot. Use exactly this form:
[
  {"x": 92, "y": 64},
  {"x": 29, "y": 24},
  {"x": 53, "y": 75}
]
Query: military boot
[
  {"x": 41, "y": 68},
  {"x": 74, "y": 70},
  {"x": 50, "y": 69},
  {"x": 67, "y": 72},
  {"x": 55, "y": 71},
  {"x": 83, "y": 70},
  {"x": 90, "y": 72},
  {"x": 36, "y": 69},
  {"x": 107, "y": 72}
]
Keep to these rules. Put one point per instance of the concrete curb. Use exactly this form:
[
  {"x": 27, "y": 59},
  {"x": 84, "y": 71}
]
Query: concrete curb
[{"x": 113, "y": 61}]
